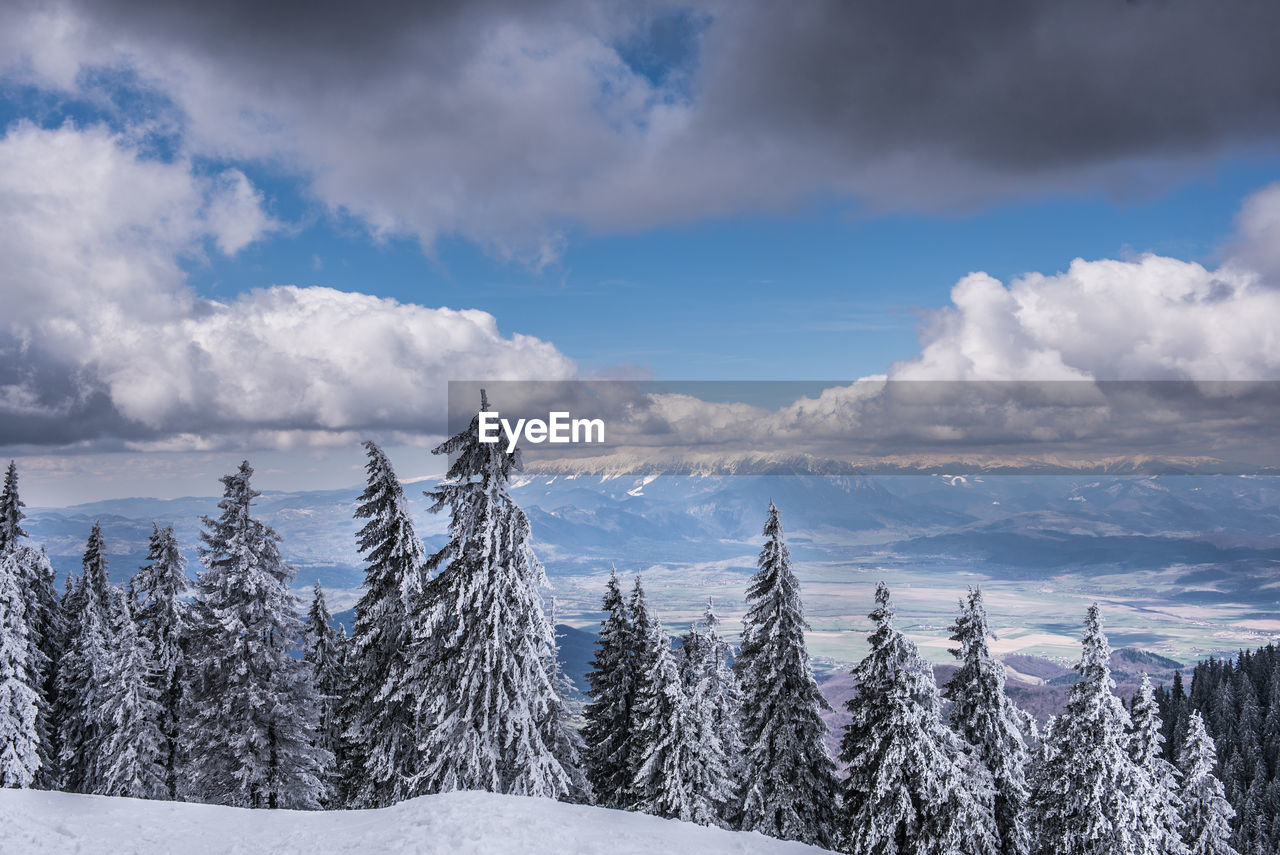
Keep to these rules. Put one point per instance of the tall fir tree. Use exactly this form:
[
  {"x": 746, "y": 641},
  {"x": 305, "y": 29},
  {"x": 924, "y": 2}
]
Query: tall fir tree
[
  {"x": 132, "y": 751},
  {"x": 1206, "y": 814},
  {"x": 19, "y": 733},
  {"x": 1155, "y": 787},
  {"x": 1082, "y": 793},
  {"x": 381, "y": 755},
  {"x": 323, "y": 651},
  {"x": 912, "y": 787},
  {"x": 611, "y": 687},
  {"x": 986, "y": 719},
  {"x": 251, "y": 720},
  {"x": 83, "y": 670},
  {"x": 45, "y": 635},
  {"x": 11, "y": 506},
  {"x": 789, "y": 784},
  {"x": 707, "y": 655},
  {"x": 713, "y": 695},
  {"x": 677, "y": 776},
  {"x": 483, "y": 637},
  {"x": 161, "y": 616}
]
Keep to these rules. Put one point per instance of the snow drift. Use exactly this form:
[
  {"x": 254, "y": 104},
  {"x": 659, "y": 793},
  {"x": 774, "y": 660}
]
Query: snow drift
[{"x": 467, "y": 823}]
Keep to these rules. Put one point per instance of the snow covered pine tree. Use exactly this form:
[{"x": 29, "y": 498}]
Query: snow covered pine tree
[
  {"x": 380, "y": 708},
  {"x": 1206, "y": 815},
  {"x": 1155, "y": 789},
  {"x": 161, "y": 617},
  {"x": 913, "y": 787},
  {"x": 483, "y": 638},
  {"x": 611, "y": 687},
  {"x": 19, "y": 736},
  {"x": 43, "y": 618},
  {"x": 678, "y": 776},
  {"x": 790, "y": 789},
  {"x": 713, "y": 693},
  {"x": 83, "y": 671},
  {"x": 982, "y": 715},
  {"x": 133, "y": 751},
  {"x": 323, "y": 651},
  {"x": 250, "y": 729},
  {"x": 1081, "y": 794}
]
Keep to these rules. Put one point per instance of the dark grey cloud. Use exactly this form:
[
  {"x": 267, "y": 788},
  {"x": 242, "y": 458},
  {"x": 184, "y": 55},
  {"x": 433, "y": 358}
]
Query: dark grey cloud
[
  {"x": 512, "y": 122},
  {"x": 1008, "y": 85}
]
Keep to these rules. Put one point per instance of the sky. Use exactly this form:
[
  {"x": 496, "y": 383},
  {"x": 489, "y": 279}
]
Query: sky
[{"x": 232, "y": 231}]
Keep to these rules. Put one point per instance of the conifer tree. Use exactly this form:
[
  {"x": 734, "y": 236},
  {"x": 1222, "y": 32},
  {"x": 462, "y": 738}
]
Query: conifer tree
[
  {"x": 677, "y": 777},
  {"x": 712, "y": 692},
  {"x": 45, "y": 633},
  {"x": 789, "y": 784},
  {"x": 912, "y": 787},
  {"x": 251, "y": 725},
  {"x": 132, "y": 751},
  {"x": 379, "y": 712},
  {"x": 1082, "y": 794},
  {"x": 611, "y": 687},
  {"x": 984, "y": 717},
  {"x": 19, "y": 733},
  {"x": 1206, "y": 815},
  {"x": 162, "y": 624},
  {"x": 83, "y": 671},
  {"x": 1155, "y": 787},
  {"x": 706, "y": 655},
  {"x": 323, "y": 650},
  {"x": 483, "y": 638},
  {"x": 11, "y": 506}
]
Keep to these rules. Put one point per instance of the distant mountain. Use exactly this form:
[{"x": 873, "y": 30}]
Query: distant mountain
[{"x": 1207, "y": 541}]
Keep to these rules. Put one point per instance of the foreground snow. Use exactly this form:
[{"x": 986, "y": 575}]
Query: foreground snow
[{"x": 455, "y": 823}]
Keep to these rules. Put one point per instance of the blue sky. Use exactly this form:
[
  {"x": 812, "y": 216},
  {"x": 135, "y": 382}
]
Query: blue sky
[
  {"x": 696, "y": 191},
  {"x": 819, "y": 293}
]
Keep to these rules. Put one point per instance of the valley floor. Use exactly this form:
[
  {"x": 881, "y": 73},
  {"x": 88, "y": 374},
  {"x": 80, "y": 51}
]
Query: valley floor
[{"x": 44, "y": 823}]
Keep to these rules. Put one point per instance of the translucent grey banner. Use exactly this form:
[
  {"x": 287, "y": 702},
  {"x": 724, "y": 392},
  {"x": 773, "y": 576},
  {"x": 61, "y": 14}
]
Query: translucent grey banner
[{"x": 610, "y": 427}]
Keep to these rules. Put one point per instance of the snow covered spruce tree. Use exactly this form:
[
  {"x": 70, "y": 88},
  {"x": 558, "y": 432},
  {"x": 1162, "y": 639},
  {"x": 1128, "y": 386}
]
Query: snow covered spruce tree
[
  {"x": 160, "y": 615},
  {"x": 984, "y": 717},
  {"x": 381, "y": 739},
  {"x": 788, "y": 777},
  {"x": 133, "y": 750},
  {"x": 1082, "y": 793},
  {"x": 678, "y": 776},
  {"x": 483, "y": 638},
  {"x": 251, "y": 717},
  {"x": 611, "y": 687},
  {"x": 913, "y": 787},
  {"x": 1155, "y": 788},
  {"x": 83, "y": 671},
  {"x": 1206, "y": 815},
  {"x": 19, "y": 733},
  {"x": 707, "y": 656},
  {"x": 43, "y": 617},
  {"x": 323, "y": 650},
  {"x": 11, "y": 506}
]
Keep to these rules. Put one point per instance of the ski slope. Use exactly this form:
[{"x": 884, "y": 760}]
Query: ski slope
[{"x": 36, "y": 823}]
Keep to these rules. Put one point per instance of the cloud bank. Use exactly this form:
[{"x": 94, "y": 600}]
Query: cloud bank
[
  {"x": 513, "y": 124},
  {"x": 103, "y": 344}
]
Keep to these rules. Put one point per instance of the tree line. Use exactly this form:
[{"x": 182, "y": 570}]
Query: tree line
[{"x": 450, "y": 680}]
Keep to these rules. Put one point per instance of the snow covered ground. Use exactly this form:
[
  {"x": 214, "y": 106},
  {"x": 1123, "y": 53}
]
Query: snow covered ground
[{"x": 34, "y": 823}]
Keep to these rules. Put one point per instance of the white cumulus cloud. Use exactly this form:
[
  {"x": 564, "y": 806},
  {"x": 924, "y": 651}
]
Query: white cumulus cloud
[{"x": 103, "y": 340}]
